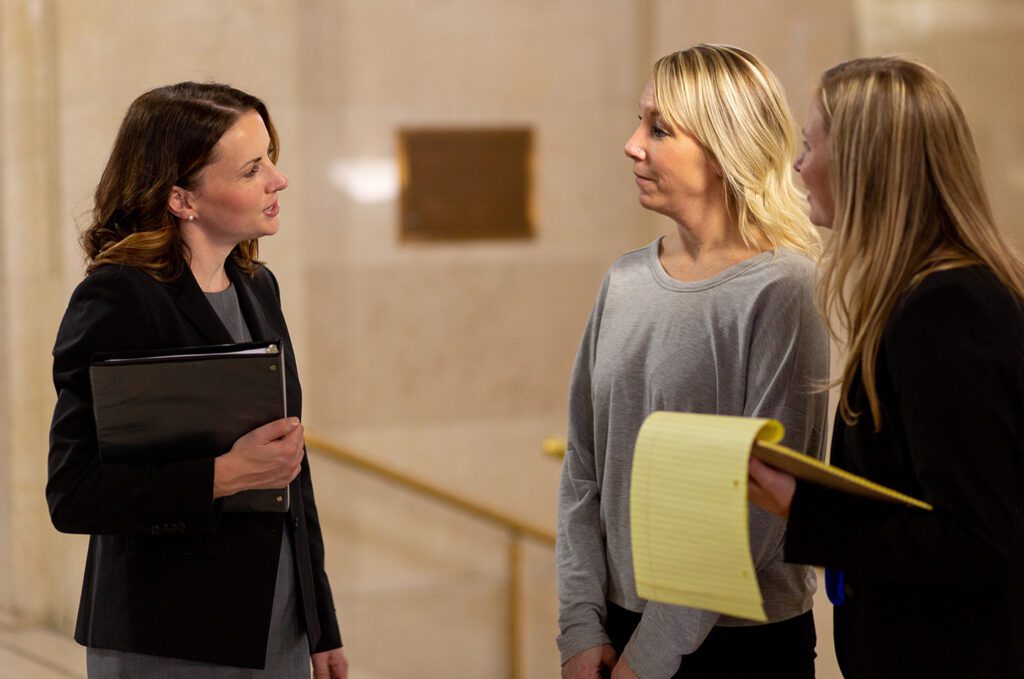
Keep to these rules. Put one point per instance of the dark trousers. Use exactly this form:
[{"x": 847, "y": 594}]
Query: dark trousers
[{"x": 779, "y": 650}]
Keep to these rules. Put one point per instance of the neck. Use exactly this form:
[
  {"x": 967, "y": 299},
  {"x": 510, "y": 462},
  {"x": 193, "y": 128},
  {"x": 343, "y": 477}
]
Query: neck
[
  {"x": 704, "y": 245},
  {"x": 206, "y": 260}
]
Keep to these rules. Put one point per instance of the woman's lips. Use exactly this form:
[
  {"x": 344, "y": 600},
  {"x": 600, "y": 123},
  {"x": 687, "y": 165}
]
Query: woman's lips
[{"x": 273, "y": 209}]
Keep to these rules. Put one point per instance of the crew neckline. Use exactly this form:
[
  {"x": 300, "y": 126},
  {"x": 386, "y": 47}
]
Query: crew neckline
[{"x": 666, "y": 281}]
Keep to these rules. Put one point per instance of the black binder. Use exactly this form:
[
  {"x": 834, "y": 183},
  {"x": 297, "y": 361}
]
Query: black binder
[{"x": 170, "y": 405}]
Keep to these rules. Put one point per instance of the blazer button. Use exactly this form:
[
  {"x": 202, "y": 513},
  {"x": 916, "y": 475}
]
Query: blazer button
[
  {"x": 154, "y": 530},
  {"x": 296, "y": 523}
]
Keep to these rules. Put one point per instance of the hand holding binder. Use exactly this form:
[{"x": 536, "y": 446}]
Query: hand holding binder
[
  {"x": 267, "y": 457},
  {"x": 160, "y": 407}
]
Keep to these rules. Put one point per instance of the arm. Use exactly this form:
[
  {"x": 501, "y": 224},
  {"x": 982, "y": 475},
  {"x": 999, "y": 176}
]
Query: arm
[
  {"x": 788, "y": 363},
  {"x": 330, "y": 634},
  {"x": 328, "y": 647},
  {"x": 954, "y": 357},
  {"x": 84, "y": 494},
  {"x": 580, "y": 548}
]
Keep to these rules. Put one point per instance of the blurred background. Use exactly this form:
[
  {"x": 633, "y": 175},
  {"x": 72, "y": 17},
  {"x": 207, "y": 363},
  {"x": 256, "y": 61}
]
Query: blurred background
[{"x": 433, "y": 369}]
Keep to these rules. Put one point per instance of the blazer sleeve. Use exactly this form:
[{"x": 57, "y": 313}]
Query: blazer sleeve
[
  {"x": 86, "y": 495},
  {"x": 955, "y": 356}
]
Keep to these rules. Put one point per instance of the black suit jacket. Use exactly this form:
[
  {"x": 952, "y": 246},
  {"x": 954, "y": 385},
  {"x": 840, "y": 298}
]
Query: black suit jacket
[
  {"x": 167, "y": 572},
  {"x": 932, "y": 594}
]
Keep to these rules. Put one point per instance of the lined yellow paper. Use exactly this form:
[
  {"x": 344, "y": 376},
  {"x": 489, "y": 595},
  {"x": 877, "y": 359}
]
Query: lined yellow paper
[
  {"x": 688, "y": 506},
  {"x": 688, "y": 511}
]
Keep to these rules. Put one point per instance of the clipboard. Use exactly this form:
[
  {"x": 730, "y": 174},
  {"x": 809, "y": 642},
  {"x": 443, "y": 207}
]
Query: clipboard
[
  {"x": 175, "y": 404},
  {"x": 809, "y": 469},
  {"x": 690, "y": 512}
]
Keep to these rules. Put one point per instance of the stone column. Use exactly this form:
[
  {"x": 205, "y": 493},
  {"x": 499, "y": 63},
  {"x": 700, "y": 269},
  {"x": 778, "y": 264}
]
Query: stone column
[{"x": 30, "y": 284}]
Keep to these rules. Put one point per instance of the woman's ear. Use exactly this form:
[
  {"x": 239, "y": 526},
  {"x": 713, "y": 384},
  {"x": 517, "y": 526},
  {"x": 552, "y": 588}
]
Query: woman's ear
[{"x": 180, "y": 203}]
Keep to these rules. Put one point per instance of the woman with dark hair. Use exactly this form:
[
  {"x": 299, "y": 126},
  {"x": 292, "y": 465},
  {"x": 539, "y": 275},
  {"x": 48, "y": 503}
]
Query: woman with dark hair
[
  {"x": 174, "y": 586},
  {"x": 930, "y": 298}
]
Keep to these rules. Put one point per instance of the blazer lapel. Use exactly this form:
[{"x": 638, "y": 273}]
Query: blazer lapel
[
  {"x": 252, "y": 310},
  {"x": 194, "y": 306}
]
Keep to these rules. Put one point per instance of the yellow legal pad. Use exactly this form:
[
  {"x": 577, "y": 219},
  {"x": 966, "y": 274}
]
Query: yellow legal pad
[{"x": 688, "y": 507}]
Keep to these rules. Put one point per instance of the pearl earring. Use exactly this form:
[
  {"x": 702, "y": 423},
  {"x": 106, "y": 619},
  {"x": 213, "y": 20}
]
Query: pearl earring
[{"x": 191, "y": 218}]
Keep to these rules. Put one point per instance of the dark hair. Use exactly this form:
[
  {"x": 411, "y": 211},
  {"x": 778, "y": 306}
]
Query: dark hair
[{"x": 166, "y": 139}]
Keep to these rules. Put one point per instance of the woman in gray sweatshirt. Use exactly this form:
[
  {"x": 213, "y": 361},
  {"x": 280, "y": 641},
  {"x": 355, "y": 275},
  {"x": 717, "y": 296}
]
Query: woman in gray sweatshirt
[{"x": 716, "y": 316}]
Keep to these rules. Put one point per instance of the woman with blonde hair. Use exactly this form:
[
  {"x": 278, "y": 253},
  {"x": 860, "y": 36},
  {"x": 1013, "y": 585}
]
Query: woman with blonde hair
[
  {"x": 929, "y": 297},
  {"x": 716, "y": 316}
]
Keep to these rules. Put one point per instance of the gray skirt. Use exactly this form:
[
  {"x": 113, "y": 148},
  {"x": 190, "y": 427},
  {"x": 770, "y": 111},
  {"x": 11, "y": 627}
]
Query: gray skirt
[{"x": 287, "y": 648}]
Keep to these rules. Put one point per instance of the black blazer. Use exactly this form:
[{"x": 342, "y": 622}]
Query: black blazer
[
  {"x": 167, "y": 572},
  {"x": 941, "y": 593}
]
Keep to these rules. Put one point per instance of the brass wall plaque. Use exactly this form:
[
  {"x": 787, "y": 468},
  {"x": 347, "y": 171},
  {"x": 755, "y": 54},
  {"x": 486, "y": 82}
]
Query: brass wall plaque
[{"x": 460, "y": 184}]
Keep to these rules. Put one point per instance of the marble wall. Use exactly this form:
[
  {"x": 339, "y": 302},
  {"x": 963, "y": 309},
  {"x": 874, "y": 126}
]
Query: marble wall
[{"x": 446, "y": 361}]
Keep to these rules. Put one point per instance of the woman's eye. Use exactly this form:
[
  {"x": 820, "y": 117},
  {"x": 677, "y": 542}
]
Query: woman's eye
[
  {"x": 658, "y": 132},
  {"x": 253, "y": 170}
]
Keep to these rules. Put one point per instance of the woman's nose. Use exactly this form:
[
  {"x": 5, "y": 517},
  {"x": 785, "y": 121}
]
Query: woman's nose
[
  {"x": 633, "y": 150},
  {"x": 282, "y": 181}
]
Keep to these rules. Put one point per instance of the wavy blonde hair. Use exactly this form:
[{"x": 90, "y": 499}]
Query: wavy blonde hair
[
  {"x": 734, "y": 106},
  {"x": 166, "y": 139},
  {"x": 909, "y": 201}
]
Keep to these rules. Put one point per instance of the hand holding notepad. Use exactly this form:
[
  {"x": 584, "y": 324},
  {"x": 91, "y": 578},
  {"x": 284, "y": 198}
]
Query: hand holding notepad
[{"x": 689, "y": 510}]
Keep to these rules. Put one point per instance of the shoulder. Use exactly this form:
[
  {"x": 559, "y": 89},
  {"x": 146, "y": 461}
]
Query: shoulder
[
  {"x": 109, "y": 310},
  {"x": 954, "y": 305},
  {"x": 263, "y": 281},
  {"x": 958, "y": 293},
  {"x": 628, "y": 275},
  {"x": 974, "y": 282},
  {"x": 782, "y": 275},
  {"x": 125, "y": 287},
  {"x": 634, "y": 260},
  {"x": 112, "y": 276},
  {"x": 788, "y": 267}
]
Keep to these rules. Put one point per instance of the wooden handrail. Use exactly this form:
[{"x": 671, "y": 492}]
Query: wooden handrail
[
  {"x": 516, "y": 529},
  {"x": 554, "y": 446},
  {"x": 442, "y": 495}
]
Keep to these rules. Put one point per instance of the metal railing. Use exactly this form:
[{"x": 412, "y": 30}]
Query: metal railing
[{"x": 517, "y": 530}]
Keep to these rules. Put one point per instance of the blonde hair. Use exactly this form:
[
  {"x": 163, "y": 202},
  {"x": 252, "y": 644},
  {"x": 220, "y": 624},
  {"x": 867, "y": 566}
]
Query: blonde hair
[
  {"x": 909, "y": 201},
  {"x": 730, "y": 102}
]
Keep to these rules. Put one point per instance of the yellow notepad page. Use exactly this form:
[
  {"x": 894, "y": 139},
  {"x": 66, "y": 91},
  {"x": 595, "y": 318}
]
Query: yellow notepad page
[{"x": 689, "y": 515}]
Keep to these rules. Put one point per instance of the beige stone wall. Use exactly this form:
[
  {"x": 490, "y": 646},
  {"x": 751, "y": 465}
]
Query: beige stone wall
[
  {"x": 449, "y": 362},
  {"x": 30, "y": 554},
  {"x": 975, "y": 46}
]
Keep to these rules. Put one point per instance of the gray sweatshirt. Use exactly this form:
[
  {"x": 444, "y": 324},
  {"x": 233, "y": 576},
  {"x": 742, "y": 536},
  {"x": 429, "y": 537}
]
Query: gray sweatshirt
[{"x": 745, "y": 342}]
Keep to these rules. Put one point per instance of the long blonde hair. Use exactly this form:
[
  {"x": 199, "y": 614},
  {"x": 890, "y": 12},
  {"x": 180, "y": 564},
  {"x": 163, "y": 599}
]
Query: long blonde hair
[
  {"x": 729, "y": 101},
  {"x": 909, "y": 201}
]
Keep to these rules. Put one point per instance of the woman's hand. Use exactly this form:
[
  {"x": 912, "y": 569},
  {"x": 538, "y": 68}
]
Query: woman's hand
[
  {"x": 267, "y": 457},
  {"x": 330, "y": 664},
  {"x": 769, "y": 488},
  {"x": 593, "y": 663}
]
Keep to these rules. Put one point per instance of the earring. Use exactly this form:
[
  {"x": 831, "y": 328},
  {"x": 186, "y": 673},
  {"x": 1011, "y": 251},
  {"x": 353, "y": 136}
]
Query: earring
[{"x": 191, "y": 218}]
